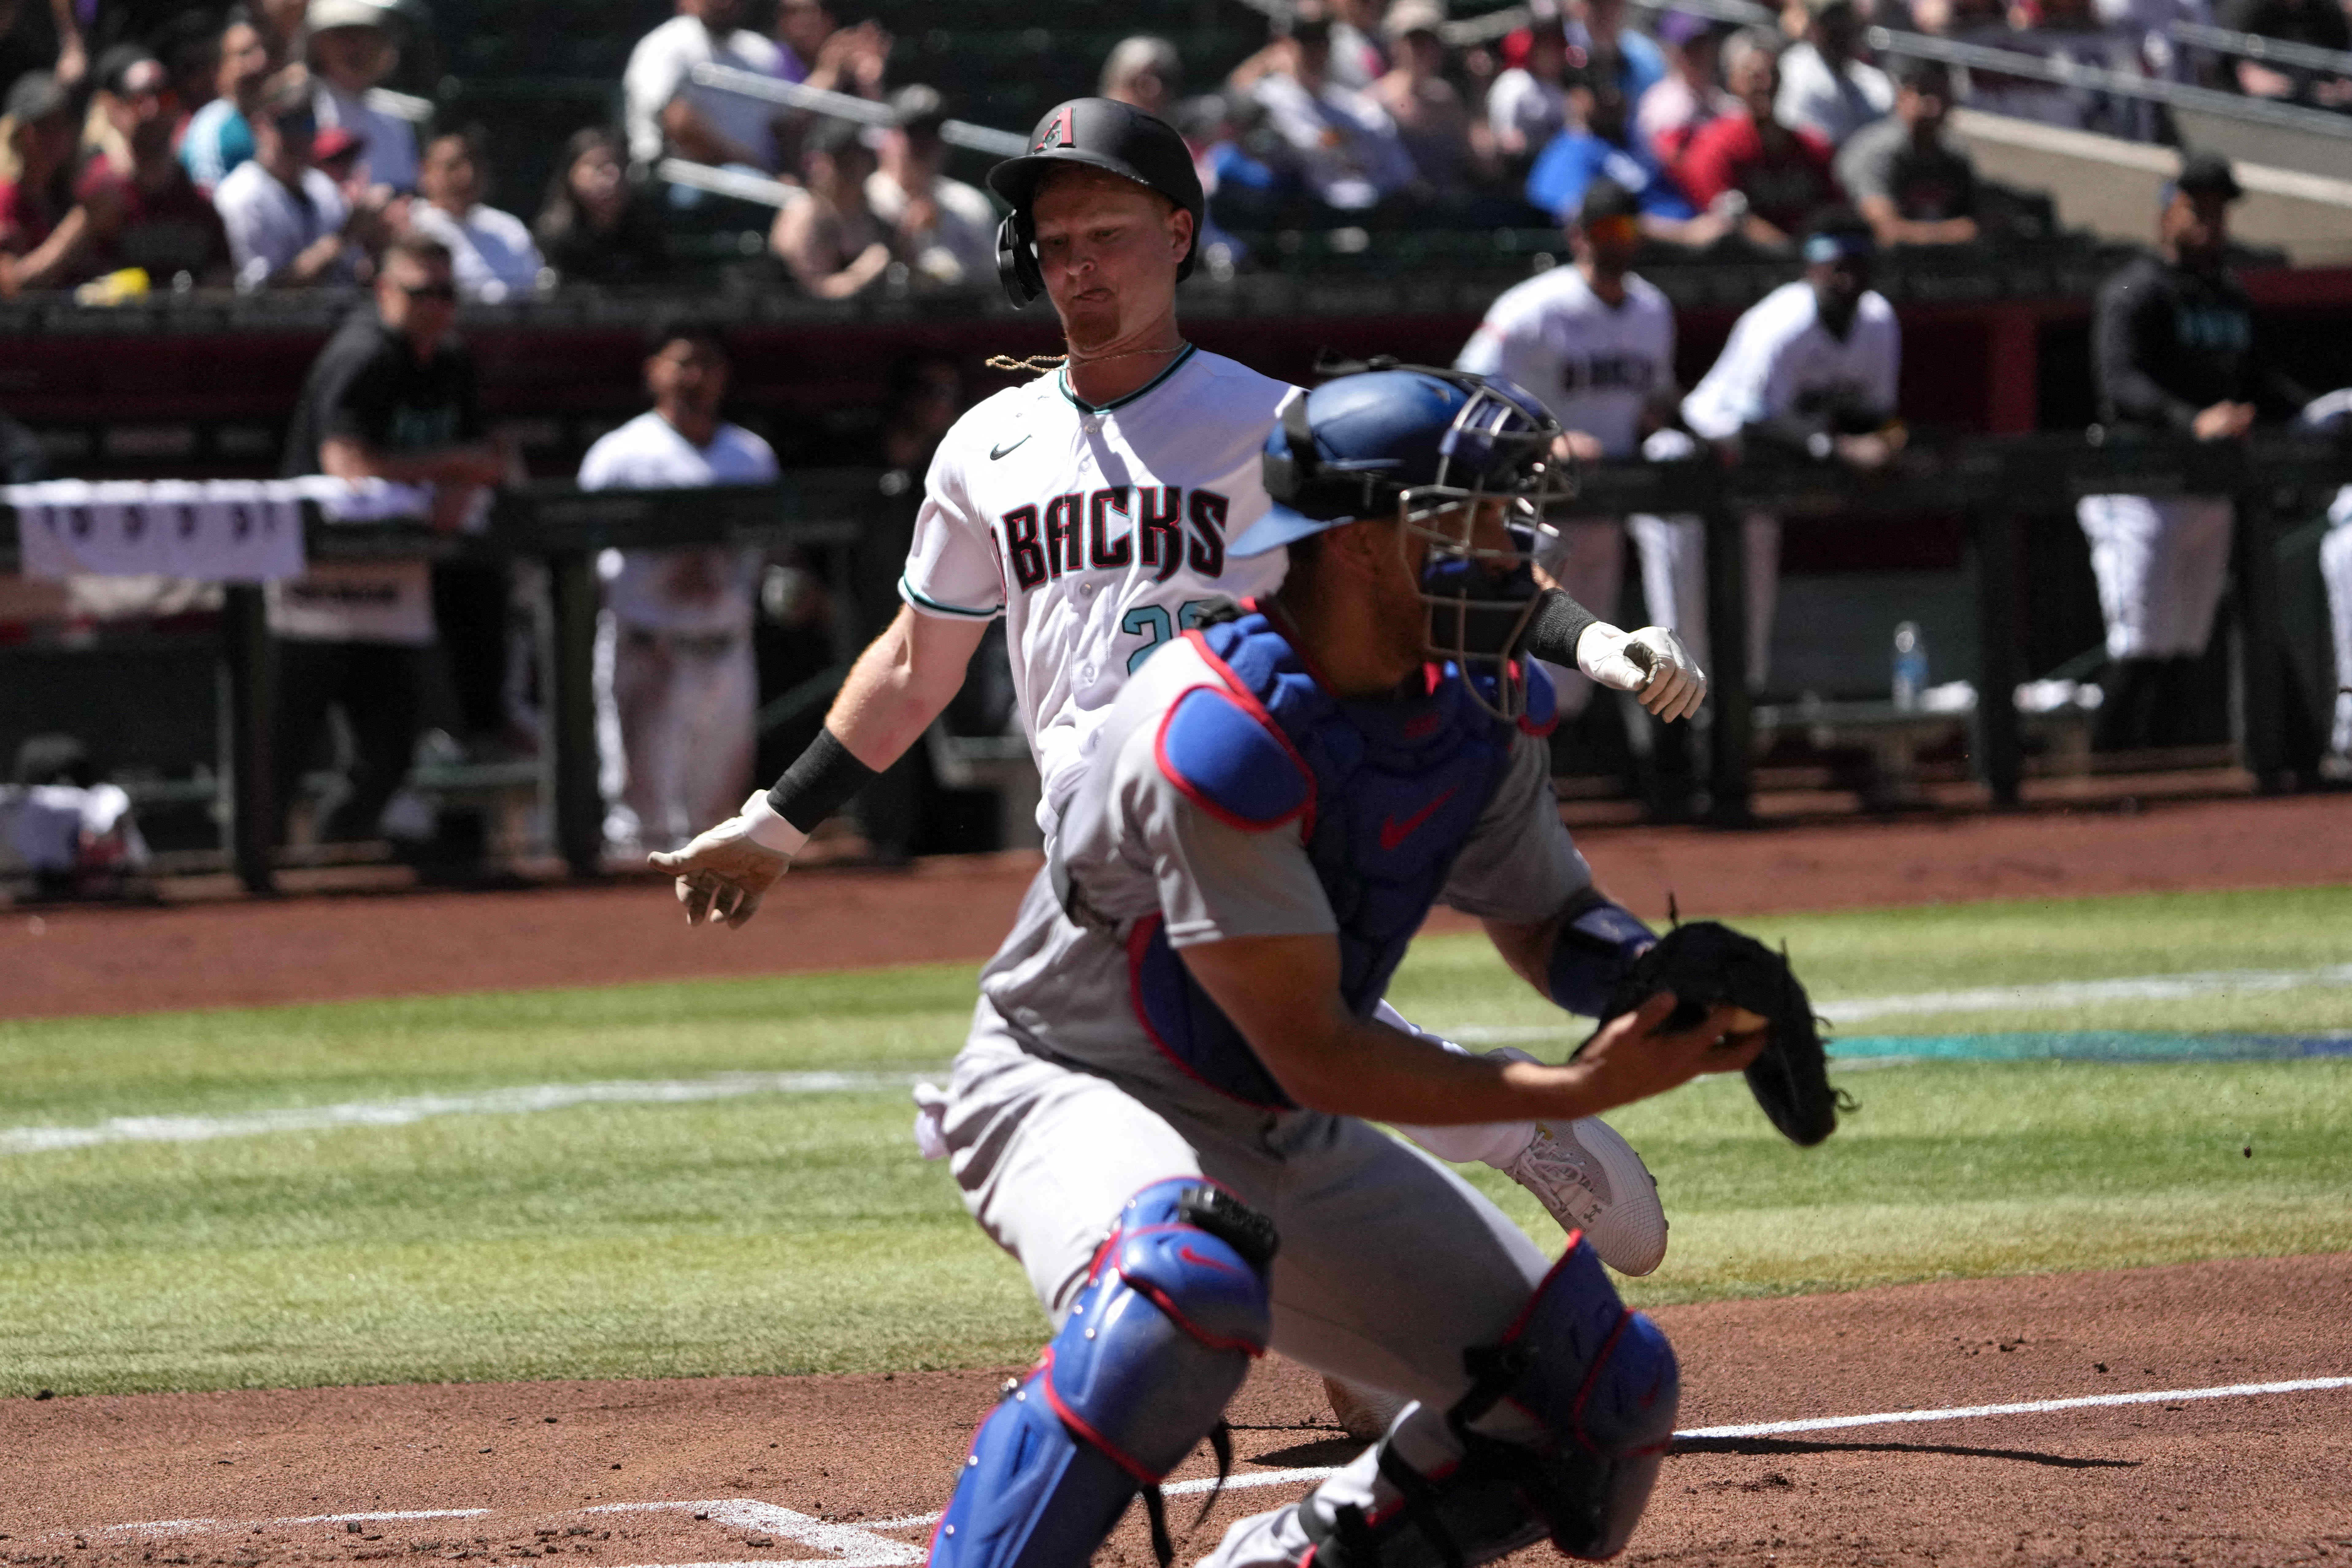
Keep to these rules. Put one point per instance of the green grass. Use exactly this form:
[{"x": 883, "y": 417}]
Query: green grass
[{"x": 801, "y": 1233}]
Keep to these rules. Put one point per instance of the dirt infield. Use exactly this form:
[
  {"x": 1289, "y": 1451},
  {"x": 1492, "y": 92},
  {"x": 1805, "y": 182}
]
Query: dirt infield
[
  {"x": 89, "y": 960},
  {"x": 760, "y": 1468}
]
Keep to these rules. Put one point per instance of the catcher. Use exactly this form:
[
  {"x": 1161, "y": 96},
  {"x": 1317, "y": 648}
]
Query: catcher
[{"x": 1162, "y": 1110}]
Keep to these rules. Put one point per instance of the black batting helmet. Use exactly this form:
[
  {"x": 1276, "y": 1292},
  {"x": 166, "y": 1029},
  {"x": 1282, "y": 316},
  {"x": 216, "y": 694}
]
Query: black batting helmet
[{"x": 1105, "y": 134}]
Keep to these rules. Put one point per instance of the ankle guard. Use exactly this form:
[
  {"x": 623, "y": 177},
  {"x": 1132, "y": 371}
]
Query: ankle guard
[{"x": 1161, "y": 1335}]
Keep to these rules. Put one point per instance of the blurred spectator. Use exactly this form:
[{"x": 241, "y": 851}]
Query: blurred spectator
[
  {"x": 1145, "y": 71},
  {"x": 28, "y": 41},
  {"x": 1528, "y": 105},
  {"x": 678, "y": 690},
  {"x": 490, "y": 251},
  {"x": 42, "y": 232},
  {"x": 1343, "y": 145},
  {"x": 281, "y": 24},
  {"x": 219, "y": 136},
  {"x": 819, "y": 52},
  {"x": 1599, "y": 144},
  {"x": 1824, "y": 89},
  {"x": 393, "y": 396},
  {"x": 1915, "y": 183},
  {"x": 946, "y": 229},
  {"x": 1357, "y": 59},
  {"x": 352, "y": 49},
  {"x": 2321, "y": 24},
  {"x": 1763, "y": 175},
  {"x": 667, "y": 112},
  {"x": 1691, "y": 93},
  {"x": 190, "y": 50},
  {"x": 2174, "y": 352},
  {"x": 289, "y": 223},
  {"x": 1600, "y": 29},
  {"x": 830, "y": 239},
  {"x": 145, "y": 212},
  {"x": 593, "y": 227},
  {"x": 2064, "y": 31},
  {"x": 1445, "y": 146}
]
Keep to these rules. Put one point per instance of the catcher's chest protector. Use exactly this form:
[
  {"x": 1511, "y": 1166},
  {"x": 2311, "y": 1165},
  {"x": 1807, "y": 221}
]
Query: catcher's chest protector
[{"x": 1384, "y": 793}]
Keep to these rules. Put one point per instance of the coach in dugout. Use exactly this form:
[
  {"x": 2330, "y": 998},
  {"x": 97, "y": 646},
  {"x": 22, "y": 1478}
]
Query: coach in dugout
[
  {"x": 2172, "y": 352},
  {"x": 393, "y": 396}
]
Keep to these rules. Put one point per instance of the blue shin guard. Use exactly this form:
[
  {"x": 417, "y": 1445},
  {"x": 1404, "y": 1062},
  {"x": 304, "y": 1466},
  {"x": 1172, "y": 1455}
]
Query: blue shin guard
[
  {"x": 1161, "y": 1335},
  {"x": 1601, "y": 1382}
]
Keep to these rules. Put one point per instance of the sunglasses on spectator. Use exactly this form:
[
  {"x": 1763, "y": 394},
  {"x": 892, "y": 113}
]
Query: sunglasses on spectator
[{"x": 445, "y": 293}]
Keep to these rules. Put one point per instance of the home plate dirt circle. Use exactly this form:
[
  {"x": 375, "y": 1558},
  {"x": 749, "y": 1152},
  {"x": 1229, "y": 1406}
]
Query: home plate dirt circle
[{"x": 2242, "y": 1461}]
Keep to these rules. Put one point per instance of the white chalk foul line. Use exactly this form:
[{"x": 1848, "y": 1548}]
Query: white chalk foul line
[
  {"x": 162, "y": 1524},
  {"x": 2004, "y": 998},
  {"x": 518, "y": 1101}
]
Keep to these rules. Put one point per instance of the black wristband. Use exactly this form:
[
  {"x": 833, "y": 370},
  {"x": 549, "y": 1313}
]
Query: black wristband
[
  {"x": 819, "y": 783},
  {"x": 1559, "y": 622}
]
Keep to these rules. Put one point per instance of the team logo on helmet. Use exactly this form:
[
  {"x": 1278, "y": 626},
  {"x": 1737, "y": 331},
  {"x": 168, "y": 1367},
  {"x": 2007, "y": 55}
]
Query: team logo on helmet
[{"x": 1060, "y": 133}]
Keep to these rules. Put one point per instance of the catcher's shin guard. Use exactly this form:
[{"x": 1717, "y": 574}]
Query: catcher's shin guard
[
  {"x": 1161, "y": 1335},
  {"x": 1601, "y": 1382}
]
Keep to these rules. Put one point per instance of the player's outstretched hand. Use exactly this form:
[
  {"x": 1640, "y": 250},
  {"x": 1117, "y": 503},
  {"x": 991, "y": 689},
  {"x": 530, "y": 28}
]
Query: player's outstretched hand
[
  {"x": 723, "y": 873},
  {"x": 1634, "y": 1056},
  {"x": 1652, "y": 662}
]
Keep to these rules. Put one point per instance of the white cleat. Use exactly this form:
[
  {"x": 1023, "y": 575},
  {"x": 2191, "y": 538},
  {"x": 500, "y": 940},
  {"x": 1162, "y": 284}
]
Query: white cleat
[
  {"x": 1364, "y": 1413},
  {"x": 1589, "y": 1179}
]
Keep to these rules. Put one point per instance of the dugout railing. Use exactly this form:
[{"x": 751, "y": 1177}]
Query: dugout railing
[{"x": 2002, "y": 485}]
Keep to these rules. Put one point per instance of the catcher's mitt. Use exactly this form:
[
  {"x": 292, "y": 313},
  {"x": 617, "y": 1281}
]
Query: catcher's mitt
[{"x": 1705, "y": 963}]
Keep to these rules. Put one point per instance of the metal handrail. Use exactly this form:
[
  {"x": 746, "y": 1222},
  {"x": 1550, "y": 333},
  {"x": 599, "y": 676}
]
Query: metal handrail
[
  {"x": 2255, "y": 46},
  {"x": 732, "y": 182},
  {"x": 846, "y": 106}
]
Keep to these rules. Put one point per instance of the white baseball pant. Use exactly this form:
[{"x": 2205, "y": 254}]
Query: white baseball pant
[
  {"x": 1390, "y": 1266},
  {"x": 2160, "y": 562},
  {"x": 675, "y": 721},
  {"x": 2335, "y": 570},
  {"x": 1673, "y": 583}
]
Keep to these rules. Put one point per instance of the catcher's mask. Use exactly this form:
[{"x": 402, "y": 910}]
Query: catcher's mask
[{"x": 1461, "y": 461}]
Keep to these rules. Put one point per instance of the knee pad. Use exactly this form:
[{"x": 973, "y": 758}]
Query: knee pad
[
  {"x": 1601, "y": 1384},
  {"x": 1173, "y": 1309}
]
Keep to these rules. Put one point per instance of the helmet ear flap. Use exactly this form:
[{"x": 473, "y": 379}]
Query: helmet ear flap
[
  {"x": 1016, "y": 260},
  {"x": 1291, "y": 470}
]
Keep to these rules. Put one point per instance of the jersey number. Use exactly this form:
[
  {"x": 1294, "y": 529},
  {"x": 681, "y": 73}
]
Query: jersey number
[{"x": 1151, "y": 621}]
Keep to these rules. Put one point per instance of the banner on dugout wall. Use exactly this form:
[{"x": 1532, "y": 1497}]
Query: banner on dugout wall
[{"x": 212, "y": 530}]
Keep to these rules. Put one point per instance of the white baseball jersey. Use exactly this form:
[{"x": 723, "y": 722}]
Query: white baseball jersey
[
  {"x": 696, "y": 590},
  {"x": 1782, "y": 360},
  {"x": 1099, "y": 534},
  {"x": 1595, "y": 365}
]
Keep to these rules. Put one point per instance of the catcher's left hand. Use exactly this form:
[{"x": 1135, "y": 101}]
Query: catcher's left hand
[
  {"x": 1707, "y": 964},
  {"x": 1651, "y": 661}
]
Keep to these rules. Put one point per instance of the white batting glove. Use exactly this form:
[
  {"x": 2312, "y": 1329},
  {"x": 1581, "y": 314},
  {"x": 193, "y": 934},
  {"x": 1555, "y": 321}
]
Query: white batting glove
[
  {"x": 723, "y": 873},
  {"x": 1652, "y": 662}
]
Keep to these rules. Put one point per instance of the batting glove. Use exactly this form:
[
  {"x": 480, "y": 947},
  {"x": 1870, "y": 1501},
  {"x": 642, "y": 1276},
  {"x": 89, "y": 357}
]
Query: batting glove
[
  {"x": 1652, "y": 662},
  {"x": 723, "y": 873}
]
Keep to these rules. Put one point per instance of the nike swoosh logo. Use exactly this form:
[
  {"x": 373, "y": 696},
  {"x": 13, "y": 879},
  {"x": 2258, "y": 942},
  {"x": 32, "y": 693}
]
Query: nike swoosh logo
[
  {"x": 1189, "y": 1256},
  {"x": 996, "y": 452},
  {"x": 1394, "y": 832}
]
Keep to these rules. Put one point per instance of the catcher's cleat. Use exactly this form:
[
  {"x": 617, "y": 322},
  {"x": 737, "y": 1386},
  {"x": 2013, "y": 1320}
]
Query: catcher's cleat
[
  {"x": 1589, "y": 1179},
  {"x": 1364, "y": 1413}
]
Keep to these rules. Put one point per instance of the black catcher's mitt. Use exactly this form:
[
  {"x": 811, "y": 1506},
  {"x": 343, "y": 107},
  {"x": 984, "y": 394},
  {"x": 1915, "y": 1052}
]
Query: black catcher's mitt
[{"x": 1705, "y": 963}]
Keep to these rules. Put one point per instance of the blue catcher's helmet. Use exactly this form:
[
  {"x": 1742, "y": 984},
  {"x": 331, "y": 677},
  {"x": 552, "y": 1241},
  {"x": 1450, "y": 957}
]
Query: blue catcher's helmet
[{"x": 1435, "y": 450}]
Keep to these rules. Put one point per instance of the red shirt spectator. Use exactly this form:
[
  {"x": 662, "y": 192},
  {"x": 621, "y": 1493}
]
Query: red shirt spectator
[
  {"x": 149, "y": 214},
  {"x": 1784, "y": 174}
]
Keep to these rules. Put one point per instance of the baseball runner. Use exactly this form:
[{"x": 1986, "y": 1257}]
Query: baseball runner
[
  {"x": 1810, "y": 368},
  {"x": 2173, "y": 350},
  {"x": 1092, "y": 508},
  {"x": 677, "y": 689},
  {"x": 1596, "y": 343},
  {"x": 1160, "y": 1109}
]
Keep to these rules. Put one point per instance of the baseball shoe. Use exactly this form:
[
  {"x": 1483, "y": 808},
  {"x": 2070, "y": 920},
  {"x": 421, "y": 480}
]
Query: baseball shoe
[
  {"x": 1589, "y": 1179},
  {"x": 1365, "y": 1414}
]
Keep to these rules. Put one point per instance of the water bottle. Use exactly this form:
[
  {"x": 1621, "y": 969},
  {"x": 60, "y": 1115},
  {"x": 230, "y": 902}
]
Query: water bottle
[{"x": 1910, "y": 665}]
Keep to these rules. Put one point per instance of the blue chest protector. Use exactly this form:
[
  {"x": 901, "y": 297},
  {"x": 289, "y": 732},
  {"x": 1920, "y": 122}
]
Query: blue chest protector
[{"x": 1384, "y": 793}]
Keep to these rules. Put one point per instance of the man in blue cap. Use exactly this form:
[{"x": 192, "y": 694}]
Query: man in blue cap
[{"x": 1163, "y": 1109}]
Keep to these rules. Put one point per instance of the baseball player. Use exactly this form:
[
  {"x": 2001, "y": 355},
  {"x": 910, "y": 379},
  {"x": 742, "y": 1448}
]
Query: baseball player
[
  {"x": 677, "y": 689},
  {"x": 1091, "y": 509},
  {"x": 1810, "y": 368},
  {"x": 1596, "y": 343},
  {"x": 1161, "y": 1110},
  {"x": 2172, "y": 350}
]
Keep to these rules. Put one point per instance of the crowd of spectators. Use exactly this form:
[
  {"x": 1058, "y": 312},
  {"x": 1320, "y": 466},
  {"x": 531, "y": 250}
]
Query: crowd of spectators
[{"x": 154, "y": 145}]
